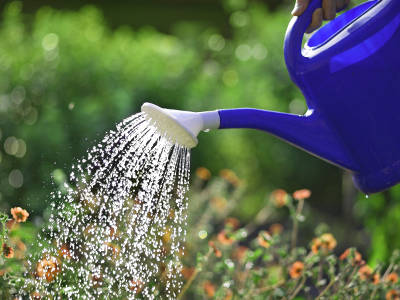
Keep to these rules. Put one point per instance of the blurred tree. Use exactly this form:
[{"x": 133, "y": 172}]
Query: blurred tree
[{"x": 66, "y": 78}]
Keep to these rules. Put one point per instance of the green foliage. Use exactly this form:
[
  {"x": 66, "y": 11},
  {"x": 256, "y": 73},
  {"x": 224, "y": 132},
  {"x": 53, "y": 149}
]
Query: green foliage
[
  {"x": 222, "y": 259},
  {"x": 65, "y": 78},
  {"x": 381, "y": 215},
  {"x": 249, "y": 262}
]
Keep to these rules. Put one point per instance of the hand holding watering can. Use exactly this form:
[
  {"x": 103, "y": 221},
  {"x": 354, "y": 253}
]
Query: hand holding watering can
[{"x": 327, "y": 12}]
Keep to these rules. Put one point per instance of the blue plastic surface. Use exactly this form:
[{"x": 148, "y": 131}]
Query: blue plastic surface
[{"x": 349, "y": 73}]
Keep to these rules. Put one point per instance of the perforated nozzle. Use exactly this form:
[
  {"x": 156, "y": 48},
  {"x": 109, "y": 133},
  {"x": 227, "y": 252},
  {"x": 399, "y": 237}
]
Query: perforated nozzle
[{"x": 179, "y": 126}]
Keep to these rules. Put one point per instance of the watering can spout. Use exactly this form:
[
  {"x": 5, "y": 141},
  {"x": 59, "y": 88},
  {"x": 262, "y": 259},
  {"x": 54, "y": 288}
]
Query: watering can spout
[
  {"x": 308, "y": 132},
  {"x": 181, "y": 127}
]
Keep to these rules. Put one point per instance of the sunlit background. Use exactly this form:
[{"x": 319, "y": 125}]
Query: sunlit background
[{"x": 69, "y": 70}]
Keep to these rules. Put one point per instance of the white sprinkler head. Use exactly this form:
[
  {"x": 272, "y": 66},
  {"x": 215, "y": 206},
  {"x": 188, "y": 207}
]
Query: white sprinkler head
[{"x": 181, "y": 127}]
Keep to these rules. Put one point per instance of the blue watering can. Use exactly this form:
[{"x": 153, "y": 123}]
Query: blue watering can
[{"x": 349, "y": 73}]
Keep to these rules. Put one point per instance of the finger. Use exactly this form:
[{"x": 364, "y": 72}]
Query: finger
[
  {"x": 329, "y": 9},
  {"x": 316, "y": 20},
  {"x": 300, "y": 7}
]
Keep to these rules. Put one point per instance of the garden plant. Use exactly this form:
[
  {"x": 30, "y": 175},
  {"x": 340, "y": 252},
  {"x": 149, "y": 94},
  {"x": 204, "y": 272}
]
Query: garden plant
[{"x": 223, "y": 259}]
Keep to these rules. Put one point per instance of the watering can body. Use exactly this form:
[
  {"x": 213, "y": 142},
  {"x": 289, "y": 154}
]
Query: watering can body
[{"x": 349, "y": 73}]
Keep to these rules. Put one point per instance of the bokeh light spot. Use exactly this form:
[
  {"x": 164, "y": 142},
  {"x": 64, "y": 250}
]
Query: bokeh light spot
[
  {"x": 50, "y": 41},
  {"x": 31, "y": 116},
  {"x": 18, "y": 95},
  {"x": 15, "y": 178},
  {"x": 243, "y": 52},
  {"x": 239, "y": 19},
  {"x": 211, "y": 68},
  {"x": 216, "y": 42},
  {"x": 259, "y": 52},
  {"x": 11, "y": 145},
  {"x": 202, "y": 234},
  {"x": 21, "y": 149}
]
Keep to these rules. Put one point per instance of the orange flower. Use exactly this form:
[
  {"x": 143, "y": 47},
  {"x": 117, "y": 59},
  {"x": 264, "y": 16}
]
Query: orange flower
[
  {"x": 48, "y": 268},
  {"x": 279, "y": 197},
  {"x": 113, "y": 232},
  {"x": 393, "y": 295},
  {"x": 203, "y": 173},
  {"x": 264, "y": 239},
  {"x": 325, "y": 242},
  {"x": 219, "y": 203},
  {"x": 136, "y": 286},
  {"x": 365, "y": 272},
  {"x": 392, "y": 277},
  {"x": 64, "y": 252},
  {"x": 328, "y": 241},
  {"x": 224, "y": 239},
  {"x": 209, "y": 289},
  {"x": 187, "y": 272},
  {"x": 217, "y": 252},
  {"x": 275, "y": 229},
  {"x": 232, "y": 223},
  {"x": 228, "y": 295},
  {"x": 97, "y": 281},
  {"x": 316, "y": 245},
  {"x": 302, "y": 194},
  {"x": 357, "y": 256},
  {"x": 375, "y": 278},
  {"x": 35, "y": 296},
  {"x": 8, "y": 252},
  {"x": 240, "y": 253},
  {"x": 4, "y": 271},
  {"x": 296, "y": 270},
  {"x": 230, "y": 176},
  {"x": 115, "y": 249},
  {"x": 19, "y": 214}
]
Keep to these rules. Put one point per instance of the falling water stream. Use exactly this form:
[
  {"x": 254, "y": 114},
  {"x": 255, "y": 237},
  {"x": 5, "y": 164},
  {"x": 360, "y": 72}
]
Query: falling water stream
[{"x": 117, "y": 229}]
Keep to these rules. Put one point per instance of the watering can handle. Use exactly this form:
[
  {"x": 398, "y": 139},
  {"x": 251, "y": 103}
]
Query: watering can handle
[{"x": 294, "y": 37}]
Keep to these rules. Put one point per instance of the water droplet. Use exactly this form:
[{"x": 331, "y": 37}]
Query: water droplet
[{"x": 120, "y": 218}]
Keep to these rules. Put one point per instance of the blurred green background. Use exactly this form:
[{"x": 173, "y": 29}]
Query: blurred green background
[{"x": 69, "y": 70}]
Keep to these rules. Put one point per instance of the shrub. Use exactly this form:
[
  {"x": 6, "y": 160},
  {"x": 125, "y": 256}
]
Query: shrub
[{"x": 224, "y": 259}]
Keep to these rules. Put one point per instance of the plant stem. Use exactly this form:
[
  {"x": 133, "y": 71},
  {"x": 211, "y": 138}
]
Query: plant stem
[
  {"x": 377, "y": 284},
  {"x": 4, "y": 219},
  {"x": 296, "y": 223},
  {"x": 260, "y": 218},
  {"x": 264, "y": 289},
  {"x": 326, "y": 288},
  {"x": 299, "y": 287},
  {"x": 194, "y": 275},
  {"x": 388, "y": 270}
]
